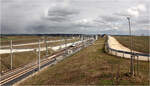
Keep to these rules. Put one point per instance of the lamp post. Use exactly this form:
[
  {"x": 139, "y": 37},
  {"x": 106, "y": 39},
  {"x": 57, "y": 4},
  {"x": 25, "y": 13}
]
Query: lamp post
[{"x": 131, "y": 47}]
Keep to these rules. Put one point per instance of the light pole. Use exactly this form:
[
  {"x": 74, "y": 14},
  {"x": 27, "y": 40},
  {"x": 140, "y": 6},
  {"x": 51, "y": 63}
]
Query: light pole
[{"x": 131, "y": 47}]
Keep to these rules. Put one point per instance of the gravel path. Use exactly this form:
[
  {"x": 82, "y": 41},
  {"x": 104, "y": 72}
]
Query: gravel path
[{"x": 114, "y": 44}]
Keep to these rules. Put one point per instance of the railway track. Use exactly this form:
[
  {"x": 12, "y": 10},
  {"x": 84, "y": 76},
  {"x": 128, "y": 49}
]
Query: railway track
[{"x": 15, "y": 75}]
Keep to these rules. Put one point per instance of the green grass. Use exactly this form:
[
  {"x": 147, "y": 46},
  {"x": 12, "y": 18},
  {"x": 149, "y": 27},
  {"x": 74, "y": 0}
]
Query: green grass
[
  {"x": 140, "y": 43},
  {"x": 91, "y": 66}
]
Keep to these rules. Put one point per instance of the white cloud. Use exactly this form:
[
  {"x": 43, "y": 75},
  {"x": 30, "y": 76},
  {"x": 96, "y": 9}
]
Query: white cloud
[
  {"x": 141, "y": 7},
  {"x": 136, "y": 10},
  {"x": 133, "y": 12},
  {"x": 46, "y": 16}
]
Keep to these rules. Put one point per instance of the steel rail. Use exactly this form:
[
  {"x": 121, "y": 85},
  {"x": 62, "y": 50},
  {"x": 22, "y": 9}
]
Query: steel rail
[{"x": 14, "y": 74}]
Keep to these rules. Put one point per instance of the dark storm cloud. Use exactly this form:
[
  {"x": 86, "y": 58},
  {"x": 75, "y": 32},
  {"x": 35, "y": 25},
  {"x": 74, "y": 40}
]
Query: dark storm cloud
[
  {"x": 53, "y": 28},
  {"x": 72, "y": 16},
  {"x": 58, "y": 19},
  {"x": 60, "y": 14}
]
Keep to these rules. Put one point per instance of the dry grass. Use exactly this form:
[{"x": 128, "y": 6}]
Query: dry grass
[
  {"x": 5, "y": 40},
  {"x": 43, "y": 44},
  {"x": 140, "y": 43},
  {"x": 20, "y": 59},
  {"x": 91, "y": 66},
  {"x": 23, "y": 58}
]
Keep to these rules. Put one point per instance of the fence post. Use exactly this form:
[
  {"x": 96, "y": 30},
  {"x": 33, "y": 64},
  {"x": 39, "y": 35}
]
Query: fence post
[
  {"x": 131, "y": 65},
  {"x": 134, "y": 64},
  {"x": 110, "y": 51},
  {"x": 11, "y": 55},
  {"x": 60, "y": 47},
  {"x": 112, "y": 74},
  {"x": 137, "y": 65},
  {"x": 65, "y": 43},
  {"x": 39, "y": 55},
  {"x": 148, "y": 58},
  {"x": 118, "y": 73},
  {"x": 46, "y": 46}
]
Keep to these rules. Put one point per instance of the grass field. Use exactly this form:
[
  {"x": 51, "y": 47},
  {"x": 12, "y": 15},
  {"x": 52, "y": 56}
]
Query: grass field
[
  {"x": 140, "y": 43},
  {"x": 20, "y": 59},
  {"x": 91, "y": 66},
  {"x": 43, "y": 44},
  {"x": 23, "y": 58},
  {"x": 5, "y": 40}
]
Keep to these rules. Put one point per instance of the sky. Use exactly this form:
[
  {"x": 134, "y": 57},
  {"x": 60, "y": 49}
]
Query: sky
[{"x": 74, "y": 16}]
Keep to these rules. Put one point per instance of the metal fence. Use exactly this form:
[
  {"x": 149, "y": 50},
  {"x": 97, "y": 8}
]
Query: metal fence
[
  {"x": 18, "y": 53},
  {"x": 126, "y": 54}
]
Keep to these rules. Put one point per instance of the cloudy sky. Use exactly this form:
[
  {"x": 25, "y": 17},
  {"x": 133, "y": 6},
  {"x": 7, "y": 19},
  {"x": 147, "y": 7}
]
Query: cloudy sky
[{"x": 74, "y": 16}]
